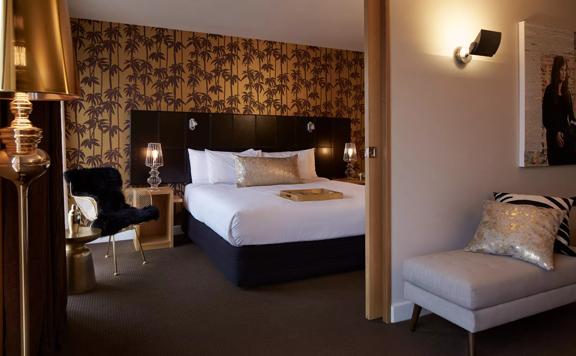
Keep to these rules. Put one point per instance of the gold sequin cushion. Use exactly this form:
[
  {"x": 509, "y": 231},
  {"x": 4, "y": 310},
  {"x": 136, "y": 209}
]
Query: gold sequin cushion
[
  {"x": 252, "y": 171},
  {"x": 522, "y": 231}
]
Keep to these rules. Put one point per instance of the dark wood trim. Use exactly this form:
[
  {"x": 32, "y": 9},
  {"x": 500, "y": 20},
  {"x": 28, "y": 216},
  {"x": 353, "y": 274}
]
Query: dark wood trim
[
  {"x": 471, "y": 343},
  {"x": 1, "y": 277},
  {"x": 377, "y": 125},
  {"x": 415, "y": 316}
]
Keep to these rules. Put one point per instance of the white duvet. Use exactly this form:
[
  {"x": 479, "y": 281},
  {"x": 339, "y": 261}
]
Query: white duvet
[{"x": 259, "y": 216}]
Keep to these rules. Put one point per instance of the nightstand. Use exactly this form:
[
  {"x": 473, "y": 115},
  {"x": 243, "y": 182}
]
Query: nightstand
[
  {"x": 155, "y": 234},
  {"x": 351, "y": 180}
]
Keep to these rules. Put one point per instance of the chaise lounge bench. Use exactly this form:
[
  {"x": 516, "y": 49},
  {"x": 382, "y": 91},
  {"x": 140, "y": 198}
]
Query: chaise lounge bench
[{"x": 478, "y": 291}]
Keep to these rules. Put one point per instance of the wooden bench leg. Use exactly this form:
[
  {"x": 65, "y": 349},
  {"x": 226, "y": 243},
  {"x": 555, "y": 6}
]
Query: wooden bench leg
[
  {"x": 415, "y": 315},
  {"x": 471, "y": 344}
]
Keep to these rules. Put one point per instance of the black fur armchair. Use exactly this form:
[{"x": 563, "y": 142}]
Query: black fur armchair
[{"x": 98, "y": 194}]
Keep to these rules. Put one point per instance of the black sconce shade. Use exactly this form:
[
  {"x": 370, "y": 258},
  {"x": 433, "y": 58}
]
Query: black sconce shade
[{"x": 486, "y": 43}]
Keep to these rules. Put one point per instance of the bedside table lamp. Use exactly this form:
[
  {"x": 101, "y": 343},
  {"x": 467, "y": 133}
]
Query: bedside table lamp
[
  {"x": 350, "y": 156},
  {"x": 154, "y": 160},
  {"x": 36, "y": 63}
]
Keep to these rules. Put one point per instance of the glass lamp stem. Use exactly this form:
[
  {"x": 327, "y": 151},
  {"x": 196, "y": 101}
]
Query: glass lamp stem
[
  {"x": 154, "y": 180},
  {"x": 350, "y": 172}
]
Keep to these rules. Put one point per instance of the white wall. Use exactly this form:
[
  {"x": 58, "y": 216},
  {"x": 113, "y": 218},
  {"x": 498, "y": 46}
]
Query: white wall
[{"x": 454, "y": 131}]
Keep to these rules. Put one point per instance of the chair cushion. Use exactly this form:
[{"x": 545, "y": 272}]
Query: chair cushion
[
  {"x": 113, "y": 222},
  {"x": 103, "y": 183},
  {"x": 475, "y": 281}
]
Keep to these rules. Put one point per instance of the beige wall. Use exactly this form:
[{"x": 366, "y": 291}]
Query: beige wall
[{"x": 454, "y": 131}]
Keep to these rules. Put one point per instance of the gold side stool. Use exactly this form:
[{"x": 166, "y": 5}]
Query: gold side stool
[{"x": 79, "y": 263}]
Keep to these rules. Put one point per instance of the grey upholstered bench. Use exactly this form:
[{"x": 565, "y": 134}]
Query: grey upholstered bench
[{"x": 478, "y": 291}]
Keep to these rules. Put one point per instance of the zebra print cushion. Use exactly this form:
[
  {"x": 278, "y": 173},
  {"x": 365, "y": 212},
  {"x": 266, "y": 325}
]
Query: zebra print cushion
[{"x": 562, "y": 243}]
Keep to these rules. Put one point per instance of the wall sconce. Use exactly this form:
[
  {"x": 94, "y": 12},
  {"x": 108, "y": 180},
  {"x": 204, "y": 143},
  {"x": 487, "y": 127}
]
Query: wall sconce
[
  {"x": 192, "y": 123},
  {"x": 486, "y": 44},
  {"x": 325, "y": 151},
  {"x": 310, "y": 127}
]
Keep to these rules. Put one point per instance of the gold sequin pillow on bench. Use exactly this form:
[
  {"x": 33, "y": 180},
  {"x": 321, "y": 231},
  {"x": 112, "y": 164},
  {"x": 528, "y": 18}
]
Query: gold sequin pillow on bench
[
  {"x": 253, "y": 171},
  {"x": 524, "y": 232}
]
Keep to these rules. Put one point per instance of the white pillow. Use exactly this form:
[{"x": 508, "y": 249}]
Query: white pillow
[
  {"x": 221, "y": 166},
  {"x": 306, "y": 161},
  {"x": 198, "y": 166}
]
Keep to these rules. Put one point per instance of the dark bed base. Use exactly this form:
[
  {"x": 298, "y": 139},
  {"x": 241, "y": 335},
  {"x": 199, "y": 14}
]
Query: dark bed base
[{"x": 251, "y": 266}]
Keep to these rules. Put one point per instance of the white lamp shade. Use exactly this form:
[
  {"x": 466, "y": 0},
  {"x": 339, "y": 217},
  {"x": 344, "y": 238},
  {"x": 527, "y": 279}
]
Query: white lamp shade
[
  {"x": 350, "y": 153},
  {"x": 154, "y": 157}
]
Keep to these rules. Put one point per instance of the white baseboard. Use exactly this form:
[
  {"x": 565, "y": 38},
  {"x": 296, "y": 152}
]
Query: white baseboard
[
  {"x": 125, "y": 235},
  {"x": 403, "y": 311}
]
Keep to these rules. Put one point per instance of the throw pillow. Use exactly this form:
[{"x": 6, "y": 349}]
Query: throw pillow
[
  {"x": 524, "y": 232},
  {"x": 253, "y": 171},
  {"x": 562, "y": 243}
]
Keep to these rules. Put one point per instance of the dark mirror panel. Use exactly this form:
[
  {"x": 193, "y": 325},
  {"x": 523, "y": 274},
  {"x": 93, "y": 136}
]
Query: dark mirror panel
[
  {"x": 266, "y": 132},
  {"x": 324, "y": 133},
  {"x": 244, "y": 132},
  {"x": 170, "y": 129},
  {"x": 199, "y": 137},
  {"x": 231, "y": 132},
  {"x": 305, "y": 135},
  {"x": 173, "y": 173},
  {"x": 221, "y": 132},
  {"x": 138, "y": 172},
  {"x": 285, "y": 133},
  {"x": 147, "y": 126}
]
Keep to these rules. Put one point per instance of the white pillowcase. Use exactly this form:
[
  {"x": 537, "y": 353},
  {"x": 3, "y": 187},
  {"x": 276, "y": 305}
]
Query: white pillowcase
[
  {"x": 198, "y": 166},
  {"x": 221, "y": 166},
  {"x": 306, "y": 161}
]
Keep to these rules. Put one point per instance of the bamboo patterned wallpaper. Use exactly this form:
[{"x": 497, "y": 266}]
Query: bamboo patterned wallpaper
[{"x": 125, "y": 67}]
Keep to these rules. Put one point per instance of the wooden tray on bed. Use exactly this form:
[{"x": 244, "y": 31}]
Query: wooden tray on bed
[{"x": 310, "y": 194}]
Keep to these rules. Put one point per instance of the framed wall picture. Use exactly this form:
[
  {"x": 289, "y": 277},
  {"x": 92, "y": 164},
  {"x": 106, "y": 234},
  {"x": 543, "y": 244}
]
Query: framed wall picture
[{"x": 547, "y": 87}]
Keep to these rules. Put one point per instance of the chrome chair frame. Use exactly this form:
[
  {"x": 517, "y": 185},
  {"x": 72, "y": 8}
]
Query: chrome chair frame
[{"x": 89, "y": 208}]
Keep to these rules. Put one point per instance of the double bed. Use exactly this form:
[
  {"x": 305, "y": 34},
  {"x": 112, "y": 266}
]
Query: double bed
[
  {"x": 256, "y": 237},
  {"x": 251, "y": 234}
]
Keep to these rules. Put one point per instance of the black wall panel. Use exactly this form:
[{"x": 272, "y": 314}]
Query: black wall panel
[{"x": 232, "y": 132}]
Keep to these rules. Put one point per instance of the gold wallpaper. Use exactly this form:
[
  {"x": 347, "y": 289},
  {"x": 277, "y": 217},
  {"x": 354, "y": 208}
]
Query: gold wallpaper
[{"x": 126, "y": 67}]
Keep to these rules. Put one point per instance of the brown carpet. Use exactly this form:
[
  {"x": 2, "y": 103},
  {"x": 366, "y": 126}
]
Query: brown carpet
[{"x": 179, "y": 304}]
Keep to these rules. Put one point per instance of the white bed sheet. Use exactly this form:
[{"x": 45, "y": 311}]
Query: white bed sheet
[{"x": 259, "y": 216}]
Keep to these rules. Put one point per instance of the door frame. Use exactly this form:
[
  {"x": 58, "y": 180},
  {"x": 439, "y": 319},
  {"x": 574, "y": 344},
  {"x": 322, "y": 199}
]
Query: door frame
[{"x": 377, "y": 134}]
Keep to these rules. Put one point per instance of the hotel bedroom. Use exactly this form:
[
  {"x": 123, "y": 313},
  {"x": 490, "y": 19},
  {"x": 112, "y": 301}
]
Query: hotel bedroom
[
  {"x": 288, "y": 109},
  {"x": 257, "y": 177}
]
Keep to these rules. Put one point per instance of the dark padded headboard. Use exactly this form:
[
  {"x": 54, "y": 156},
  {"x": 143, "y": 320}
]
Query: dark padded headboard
[{"x": 231, "y": 132}]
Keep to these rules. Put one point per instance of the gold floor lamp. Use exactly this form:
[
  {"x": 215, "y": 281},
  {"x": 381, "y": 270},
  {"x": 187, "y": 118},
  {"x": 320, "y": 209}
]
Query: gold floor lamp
[{"x": 37, "y": 63}]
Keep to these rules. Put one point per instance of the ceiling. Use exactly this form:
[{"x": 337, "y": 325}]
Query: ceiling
[{"x": 323, "y": 23}]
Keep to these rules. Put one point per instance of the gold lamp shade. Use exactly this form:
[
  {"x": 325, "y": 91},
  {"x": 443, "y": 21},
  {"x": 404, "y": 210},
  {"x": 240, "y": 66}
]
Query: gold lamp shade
[{"x": 36, "y": 51}]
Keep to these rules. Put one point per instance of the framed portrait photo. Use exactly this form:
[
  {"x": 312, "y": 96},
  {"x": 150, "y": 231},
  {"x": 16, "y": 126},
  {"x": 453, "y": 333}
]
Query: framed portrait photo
[{"x": 547, "y": 125}]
